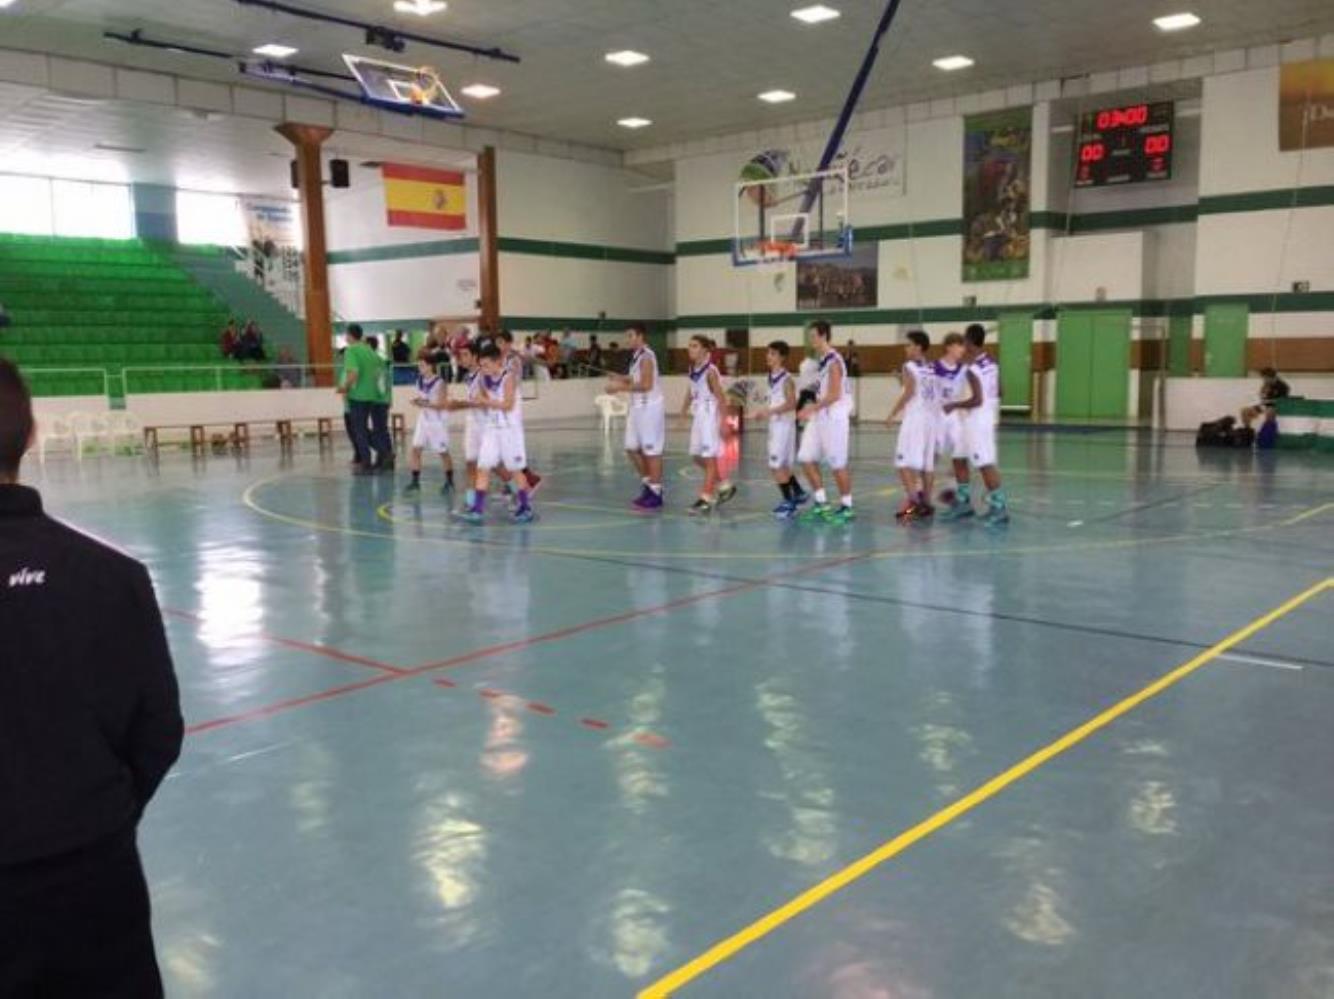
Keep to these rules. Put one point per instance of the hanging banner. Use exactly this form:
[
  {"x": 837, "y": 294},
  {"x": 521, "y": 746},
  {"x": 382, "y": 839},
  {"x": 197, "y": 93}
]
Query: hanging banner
[
  {"x": 1306, "y": 105},
  {"x": 424, "y": 197},
  {"x": 271, "y": 224},
  {"x": 997, "y": 172}
]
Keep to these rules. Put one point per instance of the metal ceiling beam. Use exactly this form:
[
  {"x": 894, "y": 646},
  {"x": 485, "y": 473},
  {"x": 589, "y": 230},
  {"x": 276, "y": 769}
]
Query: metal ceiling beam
[{"x": 379, "y": 29}]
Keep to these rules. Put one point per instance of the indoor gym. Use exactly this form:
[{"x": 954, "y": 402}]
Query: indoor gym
[{"x": 617, "y": 754}]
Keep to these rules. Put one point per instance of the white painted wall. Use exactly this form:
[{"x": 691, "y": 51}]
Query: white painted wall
[{"x": 1188, "y": 402}]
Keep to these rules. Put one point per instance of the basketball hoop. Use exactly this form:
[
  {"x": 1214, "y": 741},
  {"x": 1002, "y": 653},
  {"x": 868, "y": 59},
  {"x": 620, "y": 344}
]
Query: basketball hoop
[{"x": 777, "y": 249}]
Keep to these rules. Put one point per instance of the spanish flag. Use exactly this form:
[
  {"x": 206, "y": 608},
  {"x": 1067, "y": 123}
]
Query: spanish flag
[{"x": 423, "y": 198}]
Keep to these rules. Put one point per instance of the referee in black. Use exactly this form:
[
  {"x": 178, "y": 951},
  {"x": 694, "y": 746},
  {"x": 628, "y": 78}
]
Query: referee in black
[{"x": 90, "y": 722}]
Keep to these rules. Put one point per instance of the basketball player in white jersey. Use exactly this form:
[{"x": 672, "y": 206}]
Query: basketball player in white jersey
[
  {"x": 646, "y": 423},
  {"x": 502, "y": 443},
  {"x": 704, "y": 403},
  {"x": 432, "y": 430},
  {"x": 956, "y": 383},
  {"x": 513, "y": 363},
  {"x": 825, "y": 438},
  {"x": 782, "y": 416},
  {"x": 915, "y": 450},
  {"x": 981, "y": 415}
]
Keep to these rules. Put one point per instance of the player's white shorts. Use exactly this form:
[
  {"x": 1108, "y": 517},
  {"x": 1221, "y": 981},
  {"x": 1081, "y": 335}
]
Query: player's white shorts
[
  {"x": 646, "y": 429},
  {"x": 431, "y": 435},
  {"x": 916, "y": 446},
  {"x": 503, "y": 446},
  {"x": 472, "y": 441},
  {"x": 951, "y": 440},
  {"x": 782, "y": 443},
  {"x": 980, "y": 432},
  {"x": 825, "y": 440},
  {"x": 706, "y": 436}
]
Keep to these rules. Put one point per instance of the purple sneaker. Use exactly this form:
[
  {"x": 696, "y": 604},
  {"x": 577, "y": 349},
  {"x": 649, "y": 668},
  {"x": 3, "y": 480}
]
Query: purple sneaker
[{"x": 648, "y": 501}]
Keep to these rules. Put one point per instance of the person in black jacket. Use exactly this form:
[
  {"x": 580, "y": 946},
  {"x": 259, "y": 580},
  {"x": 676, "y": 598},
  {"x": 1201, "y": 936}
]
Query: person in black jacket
[{"x": 90, "y": 723}]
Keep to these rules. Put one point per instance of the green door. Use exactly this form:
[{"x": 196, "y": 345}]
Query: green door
[
  {"x": 1016, "y": 358},
  {"x": 1074, "y": 366},
  {"x": 1109, "y": 397},
  {"x": 1178, "y": 346},
  {"x": 1225, "y": 329},
  {"x": 1093, "y": 365}
]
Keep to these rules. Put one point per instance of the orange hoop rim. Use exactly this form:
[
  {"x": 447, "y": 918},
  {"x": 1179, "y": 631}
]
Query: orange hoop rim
[{"x": 778, "y": 248}]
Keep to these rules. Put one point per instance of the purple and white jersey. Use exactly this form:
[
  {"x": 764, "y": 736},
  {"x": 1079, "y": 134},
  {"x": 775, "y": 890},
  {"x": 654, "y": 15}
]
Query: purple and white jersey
[
  {"x": 988, "y": 376},
  {"x": 952, "y": 381}
]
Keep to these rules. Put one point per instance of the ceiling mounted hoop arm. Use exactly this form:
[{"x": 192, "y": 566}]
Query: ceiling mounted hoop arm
[{"x": 380, "y": 30}]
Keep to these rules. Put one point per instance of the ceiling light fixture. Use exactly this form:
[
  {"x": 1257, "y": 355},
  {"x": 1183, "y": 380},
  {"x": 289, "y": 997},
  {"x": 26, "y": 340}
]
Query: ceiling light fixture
[
  {"x": 6, "y": 3},
  {"x": 815, "y": 14},
  {"x": 422, "y": 8},
  {"x": 950, "y": 63},
  {"x": 1176, "y": 22},
  {"x": 777, "y": 96},
  {"x": 274, "y": 51},
  {"x": 634, "y": 122},
  {"x": 480, "y": 91},
  {"x": 627, "y": 58}
]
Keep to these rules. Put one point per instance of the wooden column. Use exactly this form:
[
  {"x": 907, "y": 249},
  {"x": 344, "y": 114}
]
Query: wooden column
[
  {"x": 488, "y": 238},
  {"x": 307, "y": 140}
]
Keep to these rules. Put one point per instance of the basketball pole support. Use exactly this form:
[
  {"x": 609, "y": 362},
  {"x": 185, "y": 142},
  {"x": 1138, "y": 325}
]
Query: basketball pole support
[{"x": 850, "y": 105}]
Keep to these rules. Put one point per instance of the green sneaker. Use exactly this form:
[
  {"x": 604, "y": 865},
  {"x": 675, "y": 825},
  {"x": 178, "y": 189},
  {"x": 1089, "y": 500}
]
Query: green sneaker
[
  {"x": 817, "y": 514},
  {"x": 840, "y": 515}
]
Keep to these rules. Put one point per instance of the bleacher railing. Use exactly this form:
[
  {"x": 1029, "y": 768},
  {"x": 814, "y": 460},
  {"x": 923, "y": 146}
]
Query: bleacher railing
[
  {"x": 36, "y": 378},
  {"x": 282, "y": 275}
]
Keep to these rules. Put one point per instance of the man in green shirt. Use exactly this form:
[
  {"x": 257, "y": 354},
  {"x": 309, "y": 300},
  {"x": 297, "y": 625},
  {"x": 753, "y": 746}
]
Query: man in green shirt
[
  {"x": 363, "y": 372},
  {"x": 384, "y": 401}
]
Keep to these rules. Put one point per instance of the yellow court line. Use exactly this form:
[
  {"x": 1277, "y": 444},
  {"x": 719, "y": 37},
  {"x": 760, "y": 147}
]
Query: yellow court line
[{"x": 813, "y": 896}]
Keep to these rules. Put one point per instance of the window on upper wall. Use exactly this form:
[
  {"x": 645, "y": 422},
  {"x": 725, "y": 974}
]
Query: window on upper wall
[
  {"x": 25, "y": 205},
  {"x": 215, "y": 219},
  {"x": 88, "y": 209}
]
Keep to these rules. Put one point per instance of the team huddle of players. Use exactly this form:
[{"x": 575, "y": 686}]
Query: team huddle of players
[
  {"x": 950, "y": 406},
  {"x": 493, "y": 437}
]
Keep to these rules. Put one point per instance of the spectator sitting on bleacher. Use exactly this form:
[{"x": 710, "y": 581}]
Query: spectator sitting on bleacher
[
  {"x": 228, "y": 343},
  {"x": 1272, "y": 388},
  {"x": 251, "y": 347},
  {"x": 594, "y": 359}
]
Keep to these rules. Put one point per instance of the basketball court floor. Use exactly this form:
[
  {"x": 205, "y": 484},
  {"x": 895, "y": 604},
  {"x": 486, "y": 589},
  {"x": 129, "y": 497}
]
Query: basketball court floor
[{"x": 603, "y": 755}]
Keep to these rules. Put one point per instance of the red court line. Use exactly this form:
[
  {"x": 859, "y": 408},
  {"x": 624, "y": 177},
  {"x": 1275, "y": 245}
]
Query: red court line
[
  {"x": 328, "y": 651},
  {"x": 525, "y": 643},
  {"x": 266, "y": 710}
]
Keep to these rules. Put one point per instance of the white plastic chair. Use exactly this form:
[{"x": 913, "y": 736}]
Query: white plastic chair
[
  {"x": 611, "y": 407},
  {"x": 55, "y": 431},
  {"x": 88, "y": 427},
  {"x": 125, "y": 426}
]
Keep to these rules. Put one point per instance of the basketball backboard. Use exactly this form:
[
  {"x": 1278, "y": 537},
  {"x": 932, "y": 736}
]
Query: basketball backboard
[
  {"x": 403, "y": 88},
  {"x": 792, "y": 217}
]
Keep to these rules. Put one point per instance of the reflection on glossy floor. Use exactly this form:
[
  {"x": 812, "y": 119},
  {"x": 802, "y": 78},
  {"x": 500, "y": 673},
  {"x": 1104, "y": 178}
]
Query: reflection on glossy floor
[{"x": 563, "y": 760}]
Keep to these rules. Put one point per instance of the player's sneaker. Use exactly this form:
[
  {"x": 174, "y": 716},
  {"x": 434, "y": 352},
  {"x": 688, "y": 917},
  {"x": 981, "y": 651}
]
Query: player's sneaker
[
  {"x": 700, "y": 508},
  {"x": 470, "y": 515},
  {"x": 413, "y": 486},
  {"x": 801, "y": 499},
  {"x": 648, "y": 501},
  {"x": 786, "y": 510},
  {"x": 996, "y": 515},
  {"x": 907, "y": 511},
  {"x": 726, "y": 493},
  {"x": 524, "y": 515},
  {"x": 840, "y": 515},
  {"x": 817, "y": 514},
  {"x": 447, "y": 489},
  {"x": 958, "y": 510}
]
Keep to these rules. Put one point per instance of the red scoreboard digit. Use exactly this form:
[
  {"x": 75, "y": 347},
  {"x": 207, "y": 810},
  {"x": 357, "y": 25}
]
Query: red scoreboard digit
[{"x": 1125, "y": 145}]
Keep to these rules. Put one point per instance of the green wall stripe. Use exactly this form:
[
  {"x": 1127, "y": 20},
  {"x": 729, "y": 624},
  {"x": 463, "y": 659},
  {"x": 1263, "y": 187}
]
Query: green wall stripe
[
  {"x": 405, "y": 251},
  {"x": 1264, "y": 201},
  {"x": 584, "y": 323},
  {"x": 508, "y": 244},
  {"x": 703, "y": 247},
  {"x": 584, "y": 251},
  {"x": 1142, "y": 308}
]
